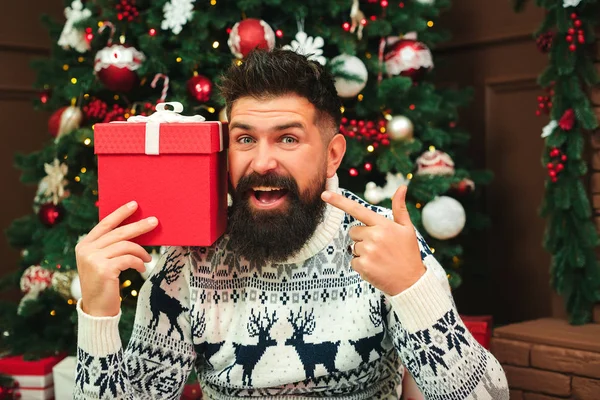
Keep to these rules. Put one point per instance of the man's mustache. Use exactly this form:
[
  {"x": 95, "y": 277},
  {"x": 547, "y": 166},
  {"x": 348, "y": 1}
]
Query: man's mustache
[{"x": 254, "y": 179}]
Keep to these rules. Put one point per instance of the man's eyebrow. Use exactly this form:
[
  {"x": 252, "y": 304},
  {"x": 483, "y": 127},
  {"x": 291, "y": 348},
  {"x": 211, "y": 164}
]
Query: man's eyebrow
[{"x": 240, "y": 125}]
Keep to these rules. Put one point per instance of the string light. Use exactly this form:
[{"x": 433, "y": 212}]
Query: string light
[
  {"x": 279, "y": 33},
  {"x": 86, "y": 96},
  {"x": 70, "y": 302},
  {"x": 368, "y": 166},
  {"x": 238, "y": 62},
  {"x": 215, "y": 44},
  {"x": 6, "y": 334},
  {"x": 412, "y": 107},
  {"x": 83, "y": 170},
  {"x": 81, "y": 59},
  {"x": 409, "y": 176},
  {"x": 430, "y": 24},
  {"x": 432, "y": 250},
  {"x": 73, "y": 81},
  {"x": 353, "y": 172},
  {"x": 127, "y": 283},
  {"x": 134, "y": 293},
  {"x": 53, "y": 313},
  {"x": 418, "y": 205},
  {"x": 432, "y": 148},
  {"x": 152, "y": 32},
  {"x": 100, "y": 24},
  {"x": 122, "y": 39},
  {"x": 178, "y": 59},
  {"x": 126, "y": 115},
  {"x": 95, "y": 192},
  {"x": 211, "y": 110},
  {"x": 346, "y": 26},
  {"x": 116, "y": 97},
  {"x": 370, "y": 148},
  {"x": 342, "y": 109},
  {"x": 77, "y": 178},
  {"x": 368, "y": 55},
  {"x": 360, "y": 97},
  {"x": 65, "y": 67},
  {"x": 384, "y": 3},
  {"x": 87, "y": 141},
  {"x": 401, "y": 5},
  {"x": 213, "y": 2}
]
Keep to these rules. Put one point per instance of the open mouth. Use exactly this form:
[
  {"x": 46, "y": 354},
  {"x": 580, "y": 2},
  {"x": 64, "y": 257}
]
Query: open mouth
[{"x": 267, "y": 196}]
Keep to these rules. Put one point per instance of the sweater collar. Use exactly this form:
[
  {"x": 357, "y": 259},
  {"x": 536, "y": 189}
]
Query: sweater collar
[{"x": 325, "y": 231}]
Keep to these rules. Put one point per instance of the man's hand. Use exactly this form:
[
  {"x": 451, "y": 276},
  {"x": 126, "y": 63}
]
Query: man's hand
[
  {"x": 386, "y": 252},
  {"x": 104, "y": 253}
]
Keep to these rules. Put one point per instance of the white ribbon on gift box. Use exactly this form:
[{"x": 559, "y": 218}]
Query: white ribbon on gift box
[{"x": 162, "y": 115}]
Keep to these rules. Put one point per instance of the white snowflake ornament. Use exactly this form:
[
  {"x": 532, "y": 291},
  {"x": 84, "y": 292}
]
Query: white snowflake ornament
[
  {"x": 548, "y": 129},
  {"x": 571, "y": 3},
  {"x": 308, "y": 46},
  {"x": 54, "y": 182},
  {"x": 375, "y": 194},
  {"x": 177, "y": 13},
  {"x": 71, "y": 37}
]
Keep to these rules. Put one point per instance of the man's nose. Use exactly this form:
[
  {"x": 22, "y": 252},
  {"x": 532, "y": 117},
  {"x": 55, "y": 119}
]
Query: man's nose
[{"x": 264, "y": 160}]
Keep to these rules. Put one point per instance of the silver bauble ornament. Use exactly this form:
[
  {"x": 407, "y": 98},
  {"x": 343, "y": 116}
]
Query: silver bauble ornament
[{"x": 400, "y": 128}]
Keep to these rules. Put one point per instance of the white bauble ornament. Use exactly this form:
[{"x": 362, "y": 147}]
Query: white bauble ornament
[
  {"x": 150, "y": 265},
  {"x": 350, "y": 65},
  {"x": 443, "y": 218},
  {"x": 400, "y": 128},
  {"x": 76, "y": 288}
]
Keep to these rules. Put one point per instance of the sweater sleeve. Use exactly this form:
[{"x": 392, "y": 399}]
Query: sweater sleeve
[
  {"x": 160, "y": 354},
  {"x": 440, "y": 353}
]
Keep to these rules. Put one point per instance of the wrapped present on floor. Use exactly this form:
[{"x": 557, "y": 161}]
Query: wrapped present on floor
[
  {"x": 174, "y": 166},
  {"x": 34, "y": 378},
  {"x": 64, "y": 378},
  {"x": 480, "y": 327}
]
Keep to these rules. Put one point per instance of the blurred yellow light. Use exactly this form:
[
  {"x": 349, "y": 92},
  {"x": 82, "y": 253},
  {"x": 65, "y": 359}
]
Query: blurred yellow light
[
  {"x": 120, "y": 298},
  {"x": 430, "y": 23},
  {"x": 215, "y": 44},
  {"x": 73, "y": 80},
  {"x": 432, "y": 250},
  {"x": 211, "y": 110},
  {"x": 134, "y": 293},
  {"x": 409, "y": 176},
  {"x": 86, "y": 96},
  {"x": 65, "y": 157},
  {"x": 87, "y": 141},
  {"x": 213, "y": 2},
  {"x": 368, "y": 55},
  {"x": 455, "y": 259},
  {"x": 122, "y": 39},
  {"x": 418, "y": 205},
  {"x": 126, "y": 115},
  {"x": 178, "y": 59},
  {"x": 65, "y": 67},
  {"x": 127, "y": 283},
  {"x": 95, "y": 192},
  {"x": 77, "y": 178},
  {"x": 388, "y": 117},
  {"x": 342, "y": 109},
  {"x": 80, "y": 59},
  {"x": 382, "y": 129},
  {"x": 431, "y": 148},
  {"x": 100, "y": 24},
  {"x": 238, "y": 62},
  {"x": 93, "y": 126},
  {"x": 116, "y": 97},
  {"x": 70, "y": 301},
  {"x": 83, "y": 170},
  {"x": 370, "y": 148},
  {"x": 53, "y": 313},
  {"x": 360, "y": 97}
]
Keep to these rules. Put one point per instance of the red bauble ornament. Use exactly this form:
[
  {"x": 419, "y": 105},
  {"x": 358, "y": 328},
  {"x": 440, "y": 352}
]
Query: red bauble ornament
[
  {"x": 50, "y": 214},
  {"x": 64, "y": 120},
  {"x": 116, "y": 67},
  {"x": 567, "y": 121},
  {"x": 249, "y": 34},
  {"x": 200, "y": 88},
  {"x": 45, "y": 96},
  {"x": 464, "y": 187},
  {"x": 408, "y": 57}
]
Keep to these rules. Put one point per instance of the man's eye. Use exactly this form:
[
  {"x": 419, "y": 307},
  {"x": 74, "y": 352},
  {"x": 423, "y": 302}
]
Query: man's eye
[
  {"x": 245, "y": 140},
  {"x": 288, "y": 140}
]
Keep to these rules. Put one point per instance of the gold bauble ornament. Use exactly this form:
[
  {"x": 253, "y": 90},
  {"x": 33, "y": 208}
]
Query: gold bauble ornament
[{"x": 400, "y": 128}]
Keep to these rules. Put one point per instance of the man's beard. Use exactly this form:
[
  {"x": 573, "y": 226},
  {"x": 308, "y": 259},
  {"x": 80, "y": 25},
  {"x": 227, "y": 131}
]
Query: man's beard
[{"x": 274, "y": 235}]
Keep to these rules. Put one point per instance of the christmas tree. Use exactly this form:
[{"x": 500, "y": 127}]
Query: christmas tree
[{"x": 117, "y": 58}]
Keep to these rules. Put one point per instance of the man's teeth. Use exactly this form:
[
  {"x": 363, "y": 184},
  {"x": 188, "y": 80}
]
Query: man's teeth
[{"x": 265, "y": 188}]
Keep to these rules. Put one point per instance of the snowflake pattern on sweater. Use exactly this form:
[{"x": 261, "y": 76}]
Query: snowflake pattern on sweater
[{"x": 305, "y": 329}]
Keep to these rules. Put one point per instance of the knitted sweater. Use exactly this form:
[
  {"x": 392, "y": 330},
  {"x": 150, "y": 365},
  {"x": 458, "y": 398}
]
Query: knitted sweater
[{"x": 307, "y": 328}]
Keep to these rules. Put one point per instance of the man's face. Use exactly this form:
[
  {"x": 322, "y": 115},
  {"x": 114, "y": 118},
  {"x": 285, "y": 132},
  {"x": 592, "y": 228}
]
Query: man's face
[{"x": 278, "y": 168}]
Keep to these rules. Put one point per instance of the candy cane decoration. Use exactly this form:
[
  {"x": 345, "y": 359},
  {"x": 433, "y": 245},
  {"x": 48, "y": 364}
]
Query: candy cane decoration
[
  {"x": 112, "y": 30},
  {"x": 165, "y": 89}
]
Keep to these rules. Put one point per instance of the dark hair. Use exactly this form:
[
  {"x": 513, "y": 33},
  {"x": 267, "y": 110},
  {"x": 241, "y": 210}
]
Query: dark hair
[{"x": 266, "y": 74}]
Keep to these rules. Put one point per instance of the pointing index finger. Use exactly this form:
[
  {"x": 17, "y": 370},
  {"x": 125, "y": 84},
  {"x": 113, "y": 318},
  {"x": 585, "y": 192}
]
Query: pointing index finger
[{"x": 353, "y": 208}]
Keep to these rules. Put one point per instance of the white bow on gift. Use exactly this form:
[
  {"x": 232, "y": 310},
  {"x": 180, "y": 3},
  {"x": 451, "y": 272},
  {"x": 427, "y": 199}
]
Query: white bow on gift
[{"x": 162, "y": 115}]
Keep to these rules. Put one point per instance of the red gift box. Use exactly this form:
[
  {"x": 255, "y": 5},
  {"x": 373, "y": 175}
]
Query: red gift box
[
  {"x": 33, "y": 377},
  {"x": 176, "y": 171},
  {"x": 480, "y": 327}
]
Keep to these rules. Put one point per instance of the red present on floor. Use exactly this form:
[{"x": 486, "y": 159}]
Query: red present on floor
[
  {"x": 174, "y": 166},
  {"x": 480, "y": 327},
  {"x": 34, "y": 378}
]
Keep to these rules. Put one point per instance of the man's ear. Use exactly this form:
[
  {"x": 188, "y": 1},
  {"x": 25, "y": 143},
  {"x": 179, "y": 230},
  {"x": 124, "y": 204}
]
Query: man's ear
[{"x": 335, "y": 154}]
